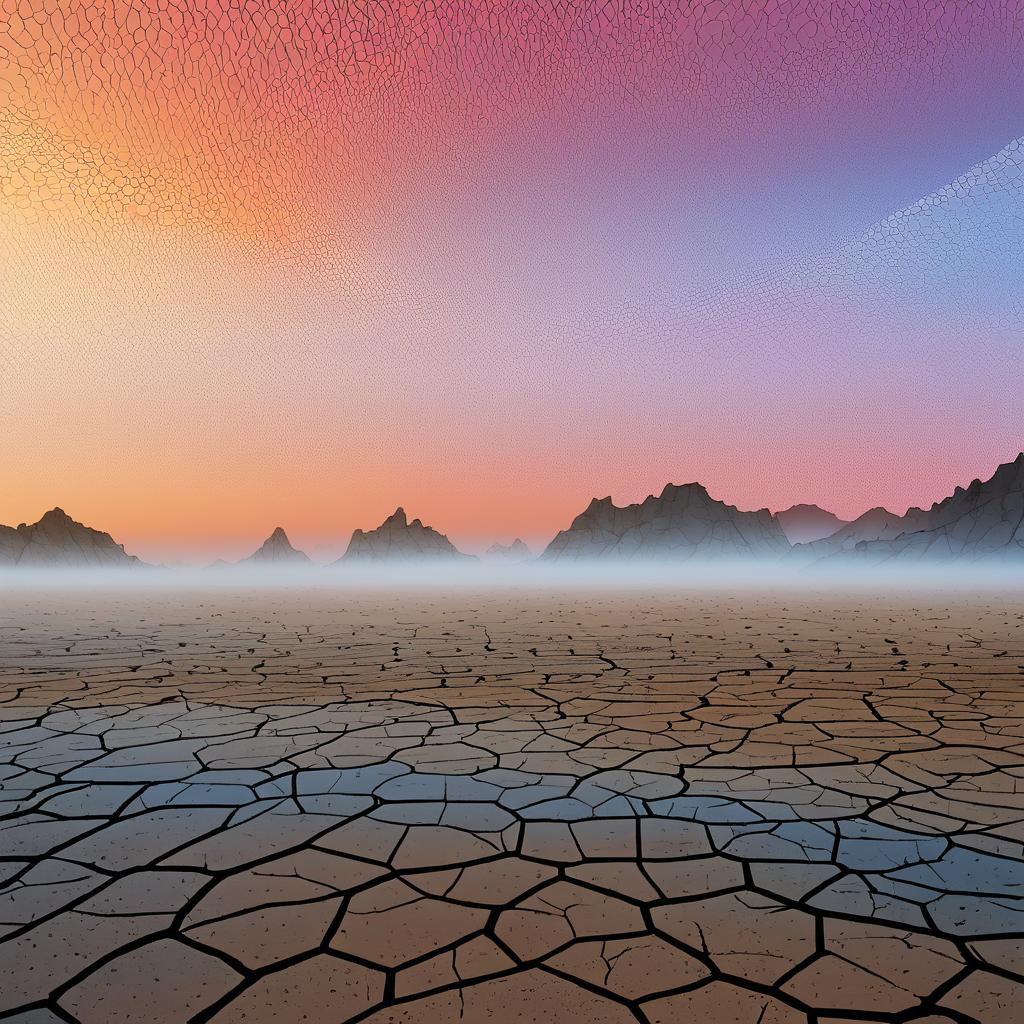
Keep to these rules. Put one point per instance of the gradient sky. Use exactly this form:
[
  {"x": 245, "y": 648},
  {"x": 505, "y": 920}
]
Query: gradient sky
[{"x": 297, "y": 263}]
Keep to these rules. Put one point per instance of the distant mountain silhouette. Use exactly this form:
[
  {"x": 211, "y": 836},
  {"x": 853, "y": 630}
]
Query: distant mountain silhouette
[
  {"x": 277, "y": 550},
  {"x": 805, "y": 523},
  {"x": 398, "y": 539},
  {"x": 683, "y": 522},
  {"x": 58, "y": 541},
  {"x": 875, "y": 524},
  {"x": 982, "y": 521},
  {"x": 517, "y": 551}
]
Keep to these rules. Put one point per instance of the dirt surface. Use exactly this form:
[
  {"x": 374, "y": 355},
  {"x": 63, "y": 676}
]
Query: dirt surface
[{"x": 320, "y": 805}]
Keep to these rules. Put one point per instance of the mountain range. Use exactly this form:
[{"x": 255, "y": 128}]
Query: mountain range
[
  {"x": 682, "y": 522},
  {"x": 982, "y": 522}
]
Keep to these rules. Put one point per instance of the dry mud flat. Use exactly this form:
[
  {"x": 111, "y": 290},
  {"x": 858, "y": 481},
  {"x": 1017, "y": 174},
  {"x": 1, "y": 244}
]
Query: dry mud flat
[{"x": 511, "y": 806}]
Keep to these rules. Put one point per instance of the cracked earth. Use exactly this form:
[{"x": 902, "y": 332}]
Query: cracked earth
[{"x": 325, "y": 806}]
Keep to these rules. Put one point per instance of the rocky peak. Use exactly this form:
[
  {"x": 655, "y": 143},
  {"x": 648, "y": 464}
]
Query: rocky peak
[
  {"x": 398, "y": 518},
  {"x": 278, "y": 548},
  {"x": 58, "y": 541},
  {"x": 56, "y": 515},
  {"x": 692, "y": 490},
  {"x": 682, "y": 522},
  {"x": 984, "y": 520},
  {"x": 398, "y": 539}
]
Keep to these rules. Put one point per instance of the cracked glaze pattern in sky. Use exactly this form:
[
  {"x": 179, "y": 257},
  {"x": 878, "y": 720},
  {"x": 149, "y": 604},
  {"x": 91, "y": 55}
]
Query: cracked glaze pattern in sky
[{"x": 425, "y": 253}]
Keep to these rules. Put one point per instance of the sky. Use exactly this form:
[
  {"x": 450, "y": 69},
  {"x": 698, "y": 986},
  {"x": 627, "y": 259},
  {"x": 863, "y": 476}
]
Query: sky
[{"x": 298, "y": 263}]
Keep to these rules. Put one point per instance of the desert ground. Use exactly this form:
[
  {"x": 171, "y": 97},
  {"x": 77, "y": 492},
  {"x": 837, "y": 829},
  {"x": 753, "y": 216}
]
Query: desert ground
[{"x": 283, "y": 805}]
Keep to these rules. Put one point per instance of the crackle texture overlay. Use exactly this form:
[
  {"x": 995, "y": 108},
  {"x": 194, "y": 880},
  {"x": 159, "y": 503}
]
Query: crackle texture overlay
[
  {"x": 432, "y": 253},
  {"x": 509, "y": 806}
]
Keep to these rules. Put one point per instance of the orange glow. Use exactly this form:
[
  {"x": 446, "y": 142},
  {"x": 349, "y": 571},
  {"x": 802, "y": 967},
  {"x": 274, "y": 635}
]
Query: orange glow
[{"x": 298, "y": 263}]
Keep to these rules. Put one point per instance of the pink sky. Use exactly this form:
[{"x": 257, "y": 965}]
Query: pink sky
[{"x": 293, "y": 271}]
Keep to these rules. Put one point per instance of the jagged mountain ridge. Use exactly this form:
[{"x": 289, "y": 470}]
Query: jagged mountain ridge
[
  {"x": 683, "y": 522},
  {"x": 58, "y": 541},
  {"x": 982, "y": 521},
  {"x": 399, "y": 539}
]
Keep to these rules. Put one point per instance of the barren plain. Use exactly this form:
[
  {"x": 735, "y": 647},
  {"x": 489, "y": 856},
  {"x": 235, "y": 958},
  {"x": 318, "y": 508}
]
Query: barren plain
[{"x": 519, "y": 805}]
